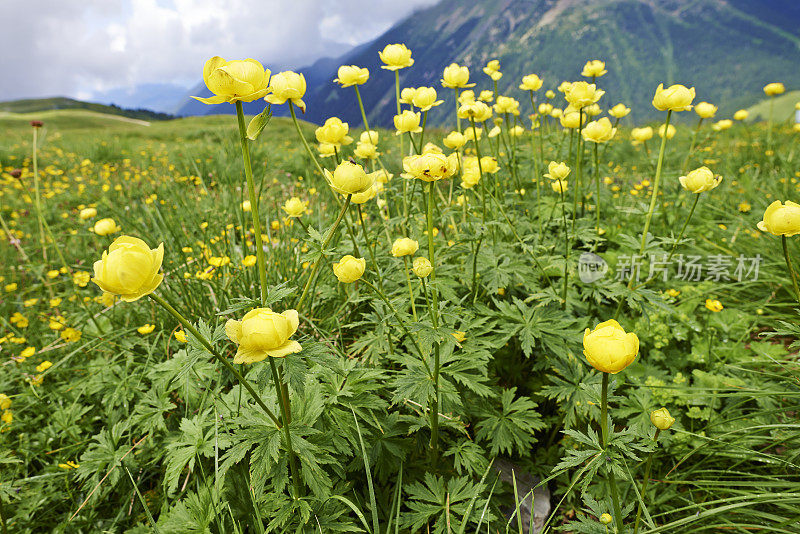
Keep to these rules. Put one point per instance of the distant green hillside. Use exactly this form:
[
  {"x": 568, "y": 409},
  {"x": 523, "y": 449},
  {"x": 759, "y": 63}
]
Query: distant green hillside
[
  {"x": 60, "y": 102},
  {"x": 783, "y": 107}
]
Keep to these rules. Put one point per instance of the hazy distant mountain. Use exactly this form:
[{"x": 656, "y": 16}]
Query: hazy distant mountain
[
  {"x": 727, "y": 49},
  {"x": 32, "y": 105},
  {"x": 161, "y": 97}
]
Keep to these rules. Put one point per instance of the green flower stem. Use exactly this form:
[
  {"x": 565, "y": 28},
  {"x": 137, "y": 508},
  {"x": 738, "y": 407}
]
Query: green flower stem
[
  {"x": 578, "y": 161},
  {"x": 302, "y": 137},
  {"x": 366, "y": 122},
  {"x": 691, "y": 146},
  {"x": 645, "y": 481},
  {"x": 410, "y": 290},
  {"x": 597, "y": 180},
  {"x": 434, "y": 310},
  {"x": 605, "y": 148},
  {"x": 403, "y": 326},
  {"x": 422, "y": 133},
  {"x": 248, "y": 172},
  {"x": 653, "y": 198},
  {"x": 325, "y": 243},
  {"x": 283, "y": 402},
  {"x": 224, "y": 361},
  {"x": 769, "y": 122},
  {"x": 483, "y": 210},
  {"x": 370, "y": 245},
  {"x": 37, "y": 196},
  {"x": 413, "y": 144},
  {"x": 458, "y": 119},
  {"x": 566, "y": 241},
  {"x": 352, "y": 233},
  {"x": 792, "y": 272},
  {"x": 3, "y": 517},
  {"x": 605, "y": 431}
]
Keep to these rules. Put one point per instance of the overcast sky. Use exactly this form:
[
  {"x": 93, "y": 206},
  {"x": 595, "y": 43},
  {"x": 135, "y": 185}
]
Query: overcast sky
[{"x": 81, "y": 47}]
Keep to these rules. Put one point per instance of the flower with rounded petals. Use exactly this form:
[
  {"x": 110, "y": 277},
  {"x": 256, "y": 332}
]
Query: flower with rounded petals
[
  {"x": 129, "y": 269},
  {"x": 705, "y": 110},
  {"x": 700, "y": 180},
  {"x": 557, "y": 170},
  {"x": 395, "y": 57},
  {"x": 287, "y": 85},
  {"x": 349, "y": 178},
  {"x": 349, "y": 269},
  {"x": 608, "y": 348},
  {"x": 531, "y": 82},
  {"x": 582, "y": 94},
  {"x": 456, "y": 76},
  {"x": 675, "y": 98},
  {"x": 407, "y": 121},
  {"x": 294, "y": 207},
  {"x": 334, "y": 132},
  {"x": 425, "y": 98},
  {"x": 599, "y": 131},
  {"x": 404, "y": 246},
  {"x": 774, "y": 88},
  {"x": 263, "y": 333},
  {"x": 348, "y": 75},
  {"x": 594, "y": 69},
  {"x": 234, "y": 81},
  {"x": 781, "y": 219},
  {"x": 106, "y": 226},
  {"x": 640, "y": 135},
  {"x": 619, "y": 111}
]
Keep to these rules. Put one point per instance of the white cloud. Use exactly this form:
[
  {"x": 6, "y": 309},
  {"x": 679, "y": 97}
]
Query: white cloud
[{"x": 78, "y": 47}]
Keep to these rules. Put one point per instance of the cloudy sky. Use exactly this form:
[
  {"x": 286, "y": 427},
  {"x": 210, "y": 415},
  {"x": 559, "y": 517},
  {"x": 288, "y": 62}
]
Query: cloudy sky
[{"x": 80, "y": 48}]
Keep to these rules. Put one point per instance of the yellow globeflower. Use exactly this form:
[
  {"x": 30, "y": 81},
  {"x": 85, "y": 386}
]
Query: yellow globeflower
[
  {"x": 5, "y": 402},
  {"x": 349, "y": 178},
  {"x": 670, "y": 132},
  {"x": 71, "y": 335},
  {"x": 129, "y": 268},
  {"x": 661, "y": 419},
  {"x": 404, "y": 246},
  {"x": 599, "y": 131},
  {"x": 700, "y": 180},
  {"x": 146, "y": 328},
  {"x": 365, "y": 196},
  {"x": 422, "y": 267},
  {"x": 366, "y": 151},
  {"x": 741, "y": 115},
  {"x": 619, "y": 111},
  {"x": 263, "y": 332},
  {"x": 582, "y": 94},
  {"x": 87, "y": 213},
  {"x": 640, "y": 135},
  {"x": 425, "y": 98},
  {"x": 722, "y": 125},
  {"x": 454, "y": 140},
  {"x": 492, "y": 69},
  {"x": 570, "y": 117},
  {"x": 531, "y": 82},
  {"x": 395, "y": 57},
  {"x": 44, "y": 366},
  {"x": 476, "y": 110},
  {"x": 249, "y": 260},
  {"x": 606, "y": 518},
  {"x": 714, "y": 305},
  {"x": 675, "y": 97},
  {"x": 775, "y": 88},
  {"x": 705, "y": 110},
  {"x": 294, "y": 207},
  {"x": 349, "y": 269},
  {"x": 557, "y": 170},
  {"x": 348, "y": 75},
  {"x": 559, "y": 186},
  {"x": 369, "y": 136},
  {"x": 106, "y": 226},
  {"x": 507, "y": 104},
  {"x": 456, "y": 76},
  {"x": 287, "y": 85},
  {"x": 608, "y": 348},
  {"x": 430, "y": 166},
  {"x": 236, "y": 80},
  {"x": 407, "y": 121},
  {"x": 407, "y": 95},
  {"x": 781, "y": 219},
  {"x": 333, "y": 132},
  {"x": 594, "y": 69}
]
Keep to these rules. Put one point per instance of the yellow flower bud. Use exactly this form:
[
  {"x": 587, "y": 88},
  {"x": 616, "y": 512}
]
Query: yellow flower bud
[
  {"x": 351, "y": 75},
  {"x": 87, "y": 213},
  {"x": 349, "y": 178},
  {"x": 106, "y": 226},
  {"x": 722, "y": 125},
  {"x": 407, "y": 121},
  {"x": 395, "y": 57},
  {"x": 531, "y": 82},
  {"x": 369, "y": 136},
  {"x": 557, "y": 170},
  {"x": 460, "y": 336},
  {"x": 619, "y": 111},
  {"x": 7, "y": 417},
  {"x": 670, "y": 131},
  {"x": 700, "y": 180},
  {"x": 237, "y": 80},
  {"x": 506, "y": 104},
  {"x": 366, "y": 151},
  {"x": 774, "y": 88},
  {"x": 608, "y": 348},
  {"x": 714, "y": 305},
  {"x": 606, "y": 519},
  {"x": 246, "y": 207},
  {"x": 661, "y": 419},
  {"x": 146, "y": 329},
  {"x": 404, "y": 246},
  {"x": 456, "y": 76},
  {"x": 476, "y": 110},
  {"x": 129, "y": 268},
  {"x": 675, "y": 97},
  {"x": 489, "y": 165},
  {"x": 640, "y": 135},
  {"x": 333, "y": 132},
  {"x": 599, "y": 131},
  {"x": 263, "y": 332},
  {"x": 705, "y": 110},
  {"x": 407, "y": 95},
  {"x": 582, "y": 94},
  {"x": 349, "y": 269},
  {"x": 741, "y": 115},
  {"x": 287, "y": 85},
  {"x": 559, "y": 186},
  {"x": 422, "y": 267},
  {"x": 594, "y": 68},
  {"x": 781, "y": 219},
  {"x": 425, "y": 98},
  {"x": 550, "y": 93},
  {"x": 294, "y": 207},
  {"x": 5, "y": 402},
  {"x": 570, "y": 118}
]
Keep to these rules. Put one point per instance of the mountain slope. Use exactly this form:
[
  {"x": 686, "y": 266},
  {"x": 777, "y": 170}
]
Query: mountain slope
[
  {"x": 44, "y": 104},
  {"x": 727, "y": 49}
]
